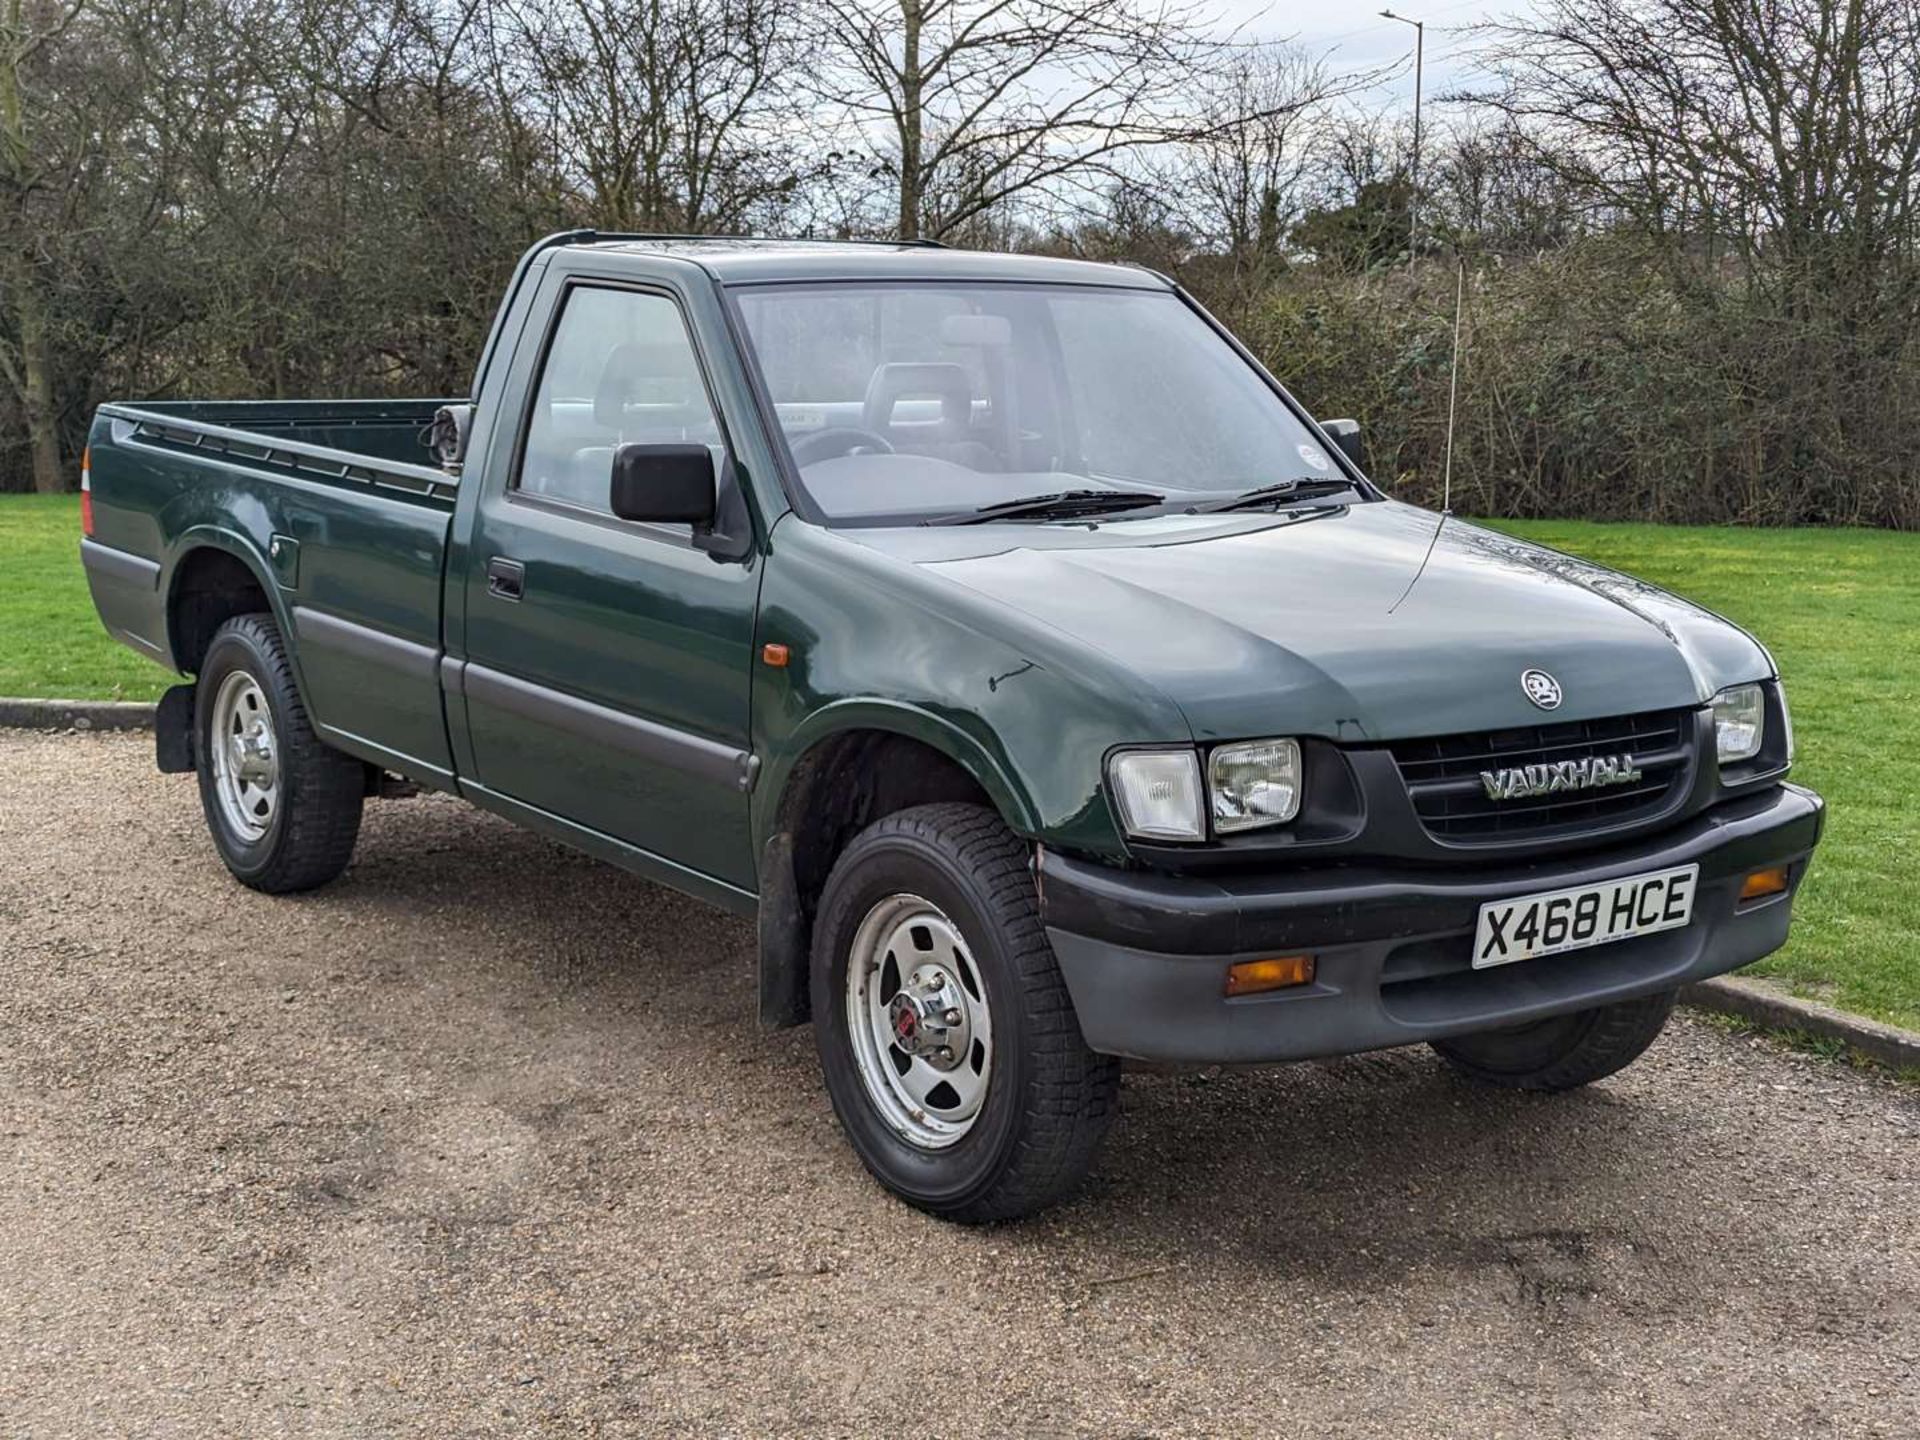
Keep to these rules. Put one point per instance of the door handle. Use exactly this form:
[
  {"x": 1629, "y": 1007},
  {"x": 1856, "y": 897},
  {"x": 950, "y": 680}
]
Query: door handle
[{"x": 506, "y": 578}]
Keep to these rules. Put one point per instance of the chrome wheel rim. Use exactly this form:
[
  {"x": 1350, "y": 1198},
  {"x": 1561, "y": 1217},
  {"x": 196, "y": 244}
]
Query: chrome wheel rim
[
  {"x": 917, "y": 1013},
  {"x": 245, "y": 757}
]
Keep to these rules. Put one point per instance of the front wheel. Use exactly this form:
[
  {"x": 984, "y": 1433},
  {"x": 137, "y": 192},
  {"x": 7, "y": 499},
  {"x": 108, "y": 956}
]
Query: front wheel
[
  {"x": 1563, "y": 1051},
  {"x": 950, "y": 1046},
  {"x": 283, "y": 808}
]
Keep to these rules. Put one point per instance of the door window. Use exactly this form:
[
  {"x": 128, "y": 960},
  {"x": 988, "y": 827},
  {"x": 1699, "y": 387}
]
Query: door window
[{"x": 621, "y": 370}]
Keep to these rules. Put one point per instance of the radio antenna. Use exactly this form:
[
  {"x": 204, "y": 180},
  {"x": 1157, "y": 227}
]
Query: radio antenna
[
  {"x": 1453, "y": 402},
  {"x": 1453, "y": 387}
]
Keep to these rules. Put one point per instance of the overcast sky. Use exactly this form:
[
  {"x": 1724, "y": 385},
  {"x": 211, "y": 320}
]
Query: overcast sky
[{"x": 1362, "y": 40}]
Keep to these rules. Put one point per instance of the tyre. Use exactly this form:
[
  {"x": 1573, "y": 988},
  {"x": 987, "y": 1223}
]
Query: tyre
[
  {"x": 1564, "y": 1051},
  {"x": 950, "y": 1046},
  {"x": 284, "y": 809}
]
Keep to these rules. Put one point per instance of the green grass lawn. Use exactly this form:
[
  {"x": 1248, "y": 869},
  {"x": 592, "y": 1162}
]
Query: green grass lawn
[
  {"x": 1840, "y": 610},
  {"x": 51, "y": 642}
]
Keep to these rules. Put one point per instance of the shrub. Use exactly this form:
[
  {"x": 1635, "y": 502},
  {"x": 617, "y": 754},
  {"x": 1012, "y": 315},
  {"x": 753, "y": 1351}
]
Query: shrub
[{"x": 1594, "y": 383}]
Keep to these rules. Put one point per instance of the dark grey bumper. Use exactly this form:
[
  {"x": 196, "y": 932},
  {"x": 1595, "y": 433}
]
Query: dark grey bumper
[{"x": 1145, "y": 954}]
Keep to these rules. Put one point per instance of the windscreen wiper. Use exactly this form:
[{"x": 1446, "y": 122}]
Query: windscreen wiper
[
  {"x": 1280, "y": 492},
  {"x": 1057, "y": 505}
]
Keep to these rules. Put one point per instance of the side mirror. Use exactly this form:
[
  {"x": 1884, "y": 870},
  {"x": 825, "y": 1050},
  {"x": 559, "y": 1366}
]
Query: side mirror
[
  {"x": 664, "y": 484},
  {"x": 447, "y": 436},
  {"x": 1345, "y": 435}
]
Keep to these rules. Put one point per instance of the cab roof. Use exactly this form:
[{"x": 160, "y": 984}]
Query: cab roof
[{"x": 736, "y": 261}]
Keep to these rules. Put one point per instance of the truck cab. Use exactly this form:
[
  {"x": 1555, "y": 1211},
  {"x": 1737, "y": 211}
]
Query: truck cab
[{"x": 996, "y": 632}]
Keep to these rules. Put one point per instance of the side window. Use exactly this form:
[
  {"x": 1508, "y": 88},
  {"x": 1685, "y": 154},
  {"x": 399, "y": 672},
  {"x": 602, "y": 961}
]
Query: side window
[{"x": 621, "y": 369}]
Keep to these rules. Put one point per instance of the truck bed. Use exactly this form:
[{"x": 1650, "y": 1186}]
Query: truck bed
[
  {"x": 385, "y": 439},
  {"x": 336, "y": 512}
]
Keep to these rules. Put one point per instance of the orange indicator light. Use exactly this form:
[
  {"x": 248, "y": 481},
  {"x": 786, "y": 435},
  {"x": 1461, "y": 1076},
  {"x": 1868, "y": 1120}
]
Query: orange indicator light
[
  {"x": 1762, "y": 883},
  {"x": 1251, "y": 977}
]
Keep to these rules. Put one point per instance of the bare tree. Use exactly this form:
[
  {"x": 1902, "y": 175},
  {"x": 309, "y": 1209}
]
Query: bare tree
[
  {"x": 34, "y": 159},
  {"x": 977, "y": 102},
  {"x": 1493, "y": 193},
  {"x": 1247, "y": 166},
  {"x": 1362, "y": 193},
  {"x": 1785, "y": 133},
  {"x": 669, "y": 111},
  {"x": 1362, "y": 149}
]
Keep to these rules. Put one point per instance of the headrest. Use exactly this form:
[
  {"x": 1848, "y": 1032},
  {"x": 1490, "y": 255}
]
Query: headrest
[
  {"x": 658, "y": 374},
  {"x": 920, "y": 379}
]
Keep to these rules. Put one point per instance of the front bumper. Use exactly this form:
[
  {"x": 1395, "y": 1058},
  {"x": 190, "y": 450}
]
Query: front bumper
[{"x": 1145, "y": 954}]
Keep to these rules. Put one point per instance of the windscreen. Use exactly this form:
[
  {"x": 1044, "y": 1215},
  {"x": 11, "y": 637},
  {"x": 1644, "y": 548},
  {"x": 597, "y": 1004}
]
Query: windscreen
[{"x": 903, "y": 402}]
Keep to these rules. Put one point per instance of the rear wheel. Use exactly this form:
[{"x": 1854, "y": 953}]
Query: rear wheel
[
  {"x": 1563, "y": 1051},
  {"x": 950, "y": 1046},
  {"x": 283, "y": 808}
]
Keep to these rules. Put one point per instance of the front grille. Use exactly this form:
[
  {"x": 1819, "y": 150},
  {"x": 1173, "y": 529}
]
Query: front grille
[{"x": 1442, "y": 776}]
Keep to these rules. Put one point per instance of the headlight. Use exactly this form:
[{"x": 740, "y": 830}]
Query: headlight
[
  {"x": 1158, "y": 793},
  {"x": 1253, "y": 784},
  {"x": 1739, "y": 718}
]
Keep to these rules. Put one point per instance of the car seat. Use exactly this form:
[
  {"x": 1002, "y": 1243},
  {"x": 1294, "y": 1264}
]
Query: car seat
[{"x": 951, "y": 437}]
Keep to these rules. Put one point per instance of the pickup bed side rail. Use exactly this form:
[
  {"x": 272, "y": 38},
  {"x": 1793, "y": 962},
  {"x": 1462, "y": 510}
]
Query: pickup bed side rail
[{"x": 319, "y": 461}]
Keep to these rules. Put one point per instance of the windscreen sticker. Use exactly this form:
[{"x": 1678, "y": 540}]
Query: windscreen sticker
[{"x": 1315, "y": 456}]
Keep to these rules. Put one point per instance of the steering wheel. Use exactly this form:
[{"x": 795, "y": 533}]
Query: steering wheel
[{"x": 835, "y": 441}]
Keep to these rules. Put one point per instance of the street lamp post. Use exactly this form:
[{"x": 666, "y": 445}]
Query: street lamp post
[{"x": 1419, "y": 56}]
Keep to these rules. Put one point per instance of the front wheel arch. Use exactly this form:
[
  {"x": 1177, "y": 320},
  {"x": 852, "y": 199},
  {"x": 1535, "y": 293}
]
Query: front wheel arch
[
  {"x": 841, "y": 784},
  {"x": 833, "y": 723}
]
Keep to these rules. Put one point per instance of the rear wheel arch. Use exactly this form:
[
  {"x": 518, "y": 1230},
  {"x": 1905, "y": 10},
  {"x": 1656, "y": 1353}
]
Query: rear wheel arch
[
  {"x": 214, "y": 577},
  {"x": 840, "y": 784}
]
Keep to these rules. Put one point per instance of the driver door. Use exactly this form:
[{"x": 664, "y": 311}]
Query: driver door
[{"x": 608, "y": 661}]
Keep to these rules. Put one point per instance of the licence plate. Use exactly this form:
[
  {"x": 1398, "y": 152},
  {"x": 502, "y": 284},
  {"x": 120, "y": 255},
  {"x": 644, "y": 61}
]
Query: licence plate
[{"x": 1556, "y": 921}]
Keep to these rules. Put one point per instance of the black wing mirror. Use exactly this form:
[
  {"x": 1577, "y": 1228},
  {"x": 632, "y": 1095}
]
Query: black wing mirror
[
  {"x": 1345, "y": 434},
  {"x": 665, "y": 484}
]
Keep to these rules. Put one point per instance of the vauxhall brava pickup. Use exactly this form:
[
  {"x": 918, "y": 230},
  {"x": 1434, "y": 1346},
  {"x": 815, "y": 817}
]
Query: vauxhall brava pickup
[{"x": 1002, "y": 638}]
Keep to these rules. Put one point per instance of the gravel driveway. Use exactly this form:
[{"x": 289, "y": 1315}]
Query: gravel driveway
[{"x": 483, "y": 1140}]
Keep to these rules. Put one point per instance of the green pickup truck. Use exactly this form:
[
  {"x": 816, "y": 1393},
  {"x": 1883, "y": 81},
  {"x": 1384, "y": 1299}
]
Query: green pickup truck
[{"x": 1050, "y": 686}]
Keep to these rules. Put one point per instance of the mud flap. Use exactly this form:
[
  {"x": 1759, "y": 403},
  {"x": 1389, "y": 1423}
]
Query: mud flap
[
  {"x": 784, "y": 992},
  {"x": 173, "y": 731}
]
